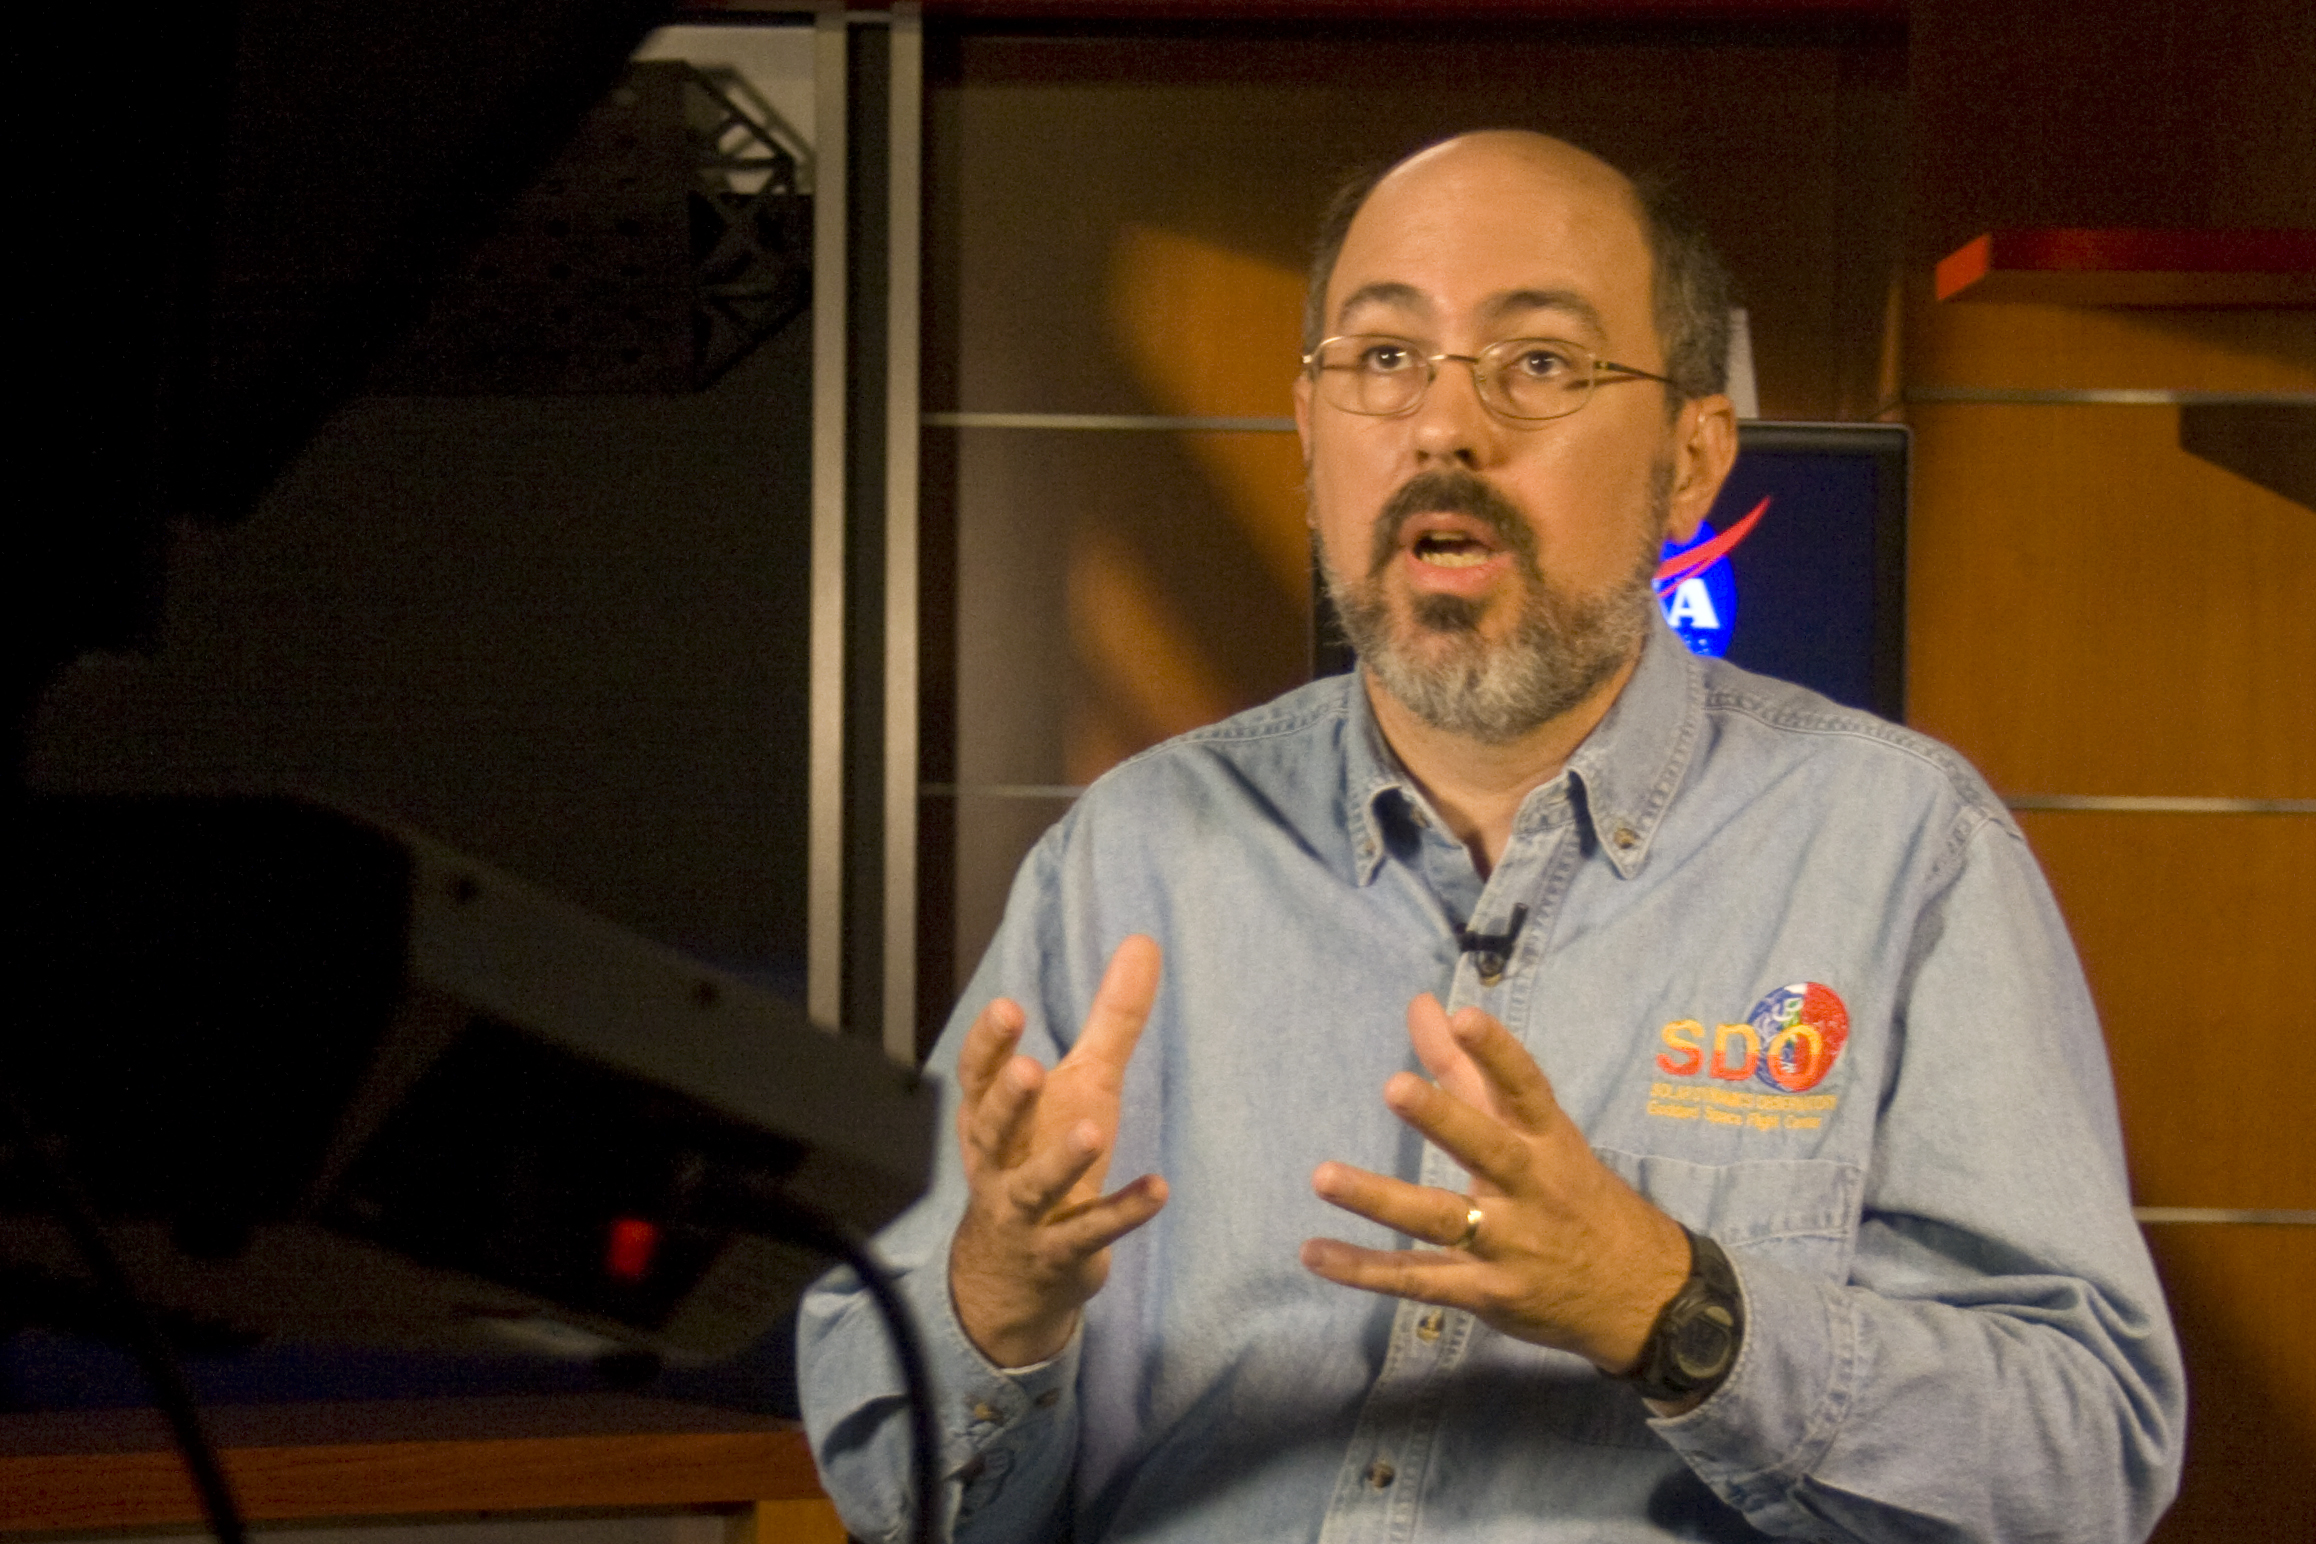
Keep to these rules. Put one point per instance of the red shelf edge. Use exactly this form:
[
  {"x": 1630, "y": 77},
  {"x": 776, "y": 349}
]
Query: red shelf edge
[{"x": 2060, "y": 251}]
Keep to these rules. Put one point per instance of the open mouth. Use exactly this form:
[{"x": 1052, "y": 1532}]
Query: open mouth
[
  {"x": 1454, "y": 532},
  {"x": 1451, "y": 549},
  {"x": 1444, "y": 539}
]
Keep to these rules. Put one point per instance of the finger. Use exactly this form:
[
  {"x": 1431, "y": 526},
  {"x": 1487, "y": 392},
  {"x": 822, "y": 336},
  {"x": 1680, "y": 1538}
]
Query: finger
[
  {"x": 1487, "y": 1148},
  {"x": 1520, "y": 1091},
  {"x": 995, "y": 1126},
  {"x": 1423, "y": 1212},
  {"x": 1095, "y": 1225},
  {"x": 1043, "y": 1179},
  {"x": 1121, "y": 1005},
  {"x": 995, "y": 1032},
  {"x": 1428, "y": 1276},
  {"x": 1435, "y": 1046}
]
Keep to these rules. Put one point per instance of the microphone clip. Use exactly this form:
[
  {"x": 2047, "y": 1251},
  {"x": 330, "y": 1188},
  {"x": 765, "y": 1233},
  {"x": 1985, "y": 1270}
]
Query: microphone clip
[{"x": 1494, "y": 950}]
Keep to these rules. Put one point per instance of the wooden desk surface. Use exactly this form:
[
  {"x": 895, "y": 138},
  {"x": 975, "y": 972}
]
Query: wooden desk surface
[{"x": 404, "y": 1458}]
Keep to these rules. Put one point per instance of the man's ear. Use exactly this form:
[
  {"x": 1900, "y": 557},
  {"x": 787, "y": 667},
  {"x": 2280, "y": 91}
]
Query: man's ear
[
  {"x": 1704, "y": 448},
  {"x": 1303, "y": 424}
]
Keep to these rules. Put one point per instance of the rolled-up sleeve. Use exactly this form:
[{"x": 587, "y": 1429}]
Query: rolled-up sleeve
[
  {"x": 1008, "y": 1436},
  {"x": 1999, "y": 1364}
]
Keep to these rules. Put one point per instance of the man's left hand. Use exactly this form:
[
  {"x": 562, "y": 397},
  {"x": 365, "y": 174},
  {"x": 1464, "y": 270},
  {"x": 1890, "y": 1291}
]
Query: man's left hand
[{"x": 1567, "y": 1254}]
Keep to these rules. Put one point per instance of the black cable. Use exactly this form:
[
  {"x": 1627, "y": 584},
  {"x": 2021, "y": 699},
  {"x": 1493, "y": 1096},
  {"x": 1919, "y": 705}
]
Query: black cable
[
  {"x": 156, "y": 1358},
  {"x": 819, "y": 1233}
]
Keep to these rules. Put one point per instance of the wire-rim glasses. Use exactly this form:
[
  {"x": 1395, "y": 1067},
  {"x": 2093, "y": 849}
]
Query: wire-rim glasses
[{"x": 1528, "y": 380}]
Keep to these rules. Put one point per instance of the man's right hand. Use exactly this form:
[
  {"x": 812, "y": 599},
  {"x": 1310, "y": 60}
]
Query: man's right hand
[{"x": 1034, "y": 1245}]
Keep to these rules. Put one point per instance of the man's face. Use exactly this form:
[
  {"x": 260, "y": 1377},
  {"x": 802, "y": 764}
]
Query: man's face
[{"x": 1494, "y": 574}]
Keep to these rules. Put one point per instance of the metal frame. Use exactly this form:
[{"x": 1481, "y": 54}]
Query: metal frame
[
  {"x": 824, "y": 862},
  {"x": 896, "y": 744},
  {"x": 2087, "y": 396},
  {"x": 904, "y": 191},
  {"x": 1154, "y": 422}
]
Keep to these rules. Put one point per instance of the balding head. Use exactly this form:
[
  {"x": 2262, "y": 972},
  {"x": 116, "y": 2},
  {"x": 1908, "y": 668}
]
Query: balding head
[{"x": 1690, "y": 291}]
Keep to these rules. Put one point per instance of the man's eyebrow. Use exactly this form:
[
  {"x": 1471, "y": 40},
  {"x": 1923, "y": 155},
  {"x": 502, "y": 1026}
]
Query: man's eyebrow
[
  {"x": 1384, "y": 292},
  {"x": 1569, "y": 301}
]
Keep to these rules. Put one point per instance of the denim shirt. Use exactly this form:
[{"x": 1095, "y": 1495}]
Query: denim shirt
[{"x": 1794, "y": 973}]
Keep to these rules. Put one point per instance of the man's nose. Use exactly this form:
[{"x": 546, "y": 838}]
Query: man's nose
[{"x": 1452, "y": 424}]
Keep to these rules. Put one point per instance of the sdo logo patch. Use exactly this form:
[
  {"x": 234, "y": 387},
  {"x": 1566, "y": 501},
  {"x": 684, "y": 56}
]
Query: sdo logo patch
[
  {"x": 1802, "y": 1029},
  {"x": 1788, "y": 1042}
]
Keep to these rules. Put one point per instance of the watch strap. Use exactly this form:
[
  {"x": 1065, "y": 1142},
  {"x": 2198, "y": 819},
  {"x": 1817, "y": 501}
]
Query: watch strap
[{"x": 1694, "y": 1342}]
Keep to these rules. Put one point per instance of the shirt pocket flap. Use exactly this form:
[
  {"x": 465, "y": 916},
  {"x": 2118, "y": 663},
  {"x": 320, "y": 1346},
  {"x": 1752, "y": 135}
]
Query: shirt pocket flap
[{"x": 1800, "y": 1212}]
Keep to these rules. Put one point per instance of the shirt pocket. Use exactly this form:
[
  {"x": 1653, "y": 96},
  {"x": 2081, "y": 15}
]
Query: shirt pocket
[{"x": 1799, "y": 1212}]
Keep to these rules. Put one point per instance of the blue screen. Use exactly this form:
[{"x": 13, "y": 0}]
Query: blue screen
[{"x": 1797, "y": 596}]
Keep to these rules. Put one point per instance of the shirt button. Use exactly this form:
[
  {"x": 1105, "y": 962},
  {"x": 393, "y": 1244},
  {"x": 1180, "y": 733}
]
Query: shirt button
[
  {"x": 988, "y": 1413},
  {"x": 1380, "y": 1474},
  {"x": 1626, "y": 838},
  {"x": 1428, "y": 1327},
  {"x": 1048, "y": 1399}
]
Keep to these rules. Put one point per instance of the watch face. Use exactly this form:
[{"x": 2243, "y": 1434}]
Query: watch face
[{"x": 1705, "y": 1342}]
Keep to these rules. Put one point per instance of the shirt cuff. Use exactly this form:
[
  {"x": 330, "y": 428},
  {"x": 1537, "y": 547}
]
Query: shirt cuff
[
  {"x": 1000, "y": 1426},
  {"x": 1765, "y": 1428}
]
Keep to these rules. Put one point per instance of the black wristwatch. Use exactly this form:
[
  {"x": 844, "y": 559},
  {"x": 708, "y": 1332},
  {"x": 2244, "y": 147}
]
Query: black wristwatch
[{"x": 1694, "y": 1342}]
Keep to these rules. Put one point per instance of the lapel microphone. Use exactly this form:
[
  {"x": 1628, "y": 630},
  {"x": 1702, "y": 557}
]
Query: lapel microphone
[{"x": 1494, "y": 949}]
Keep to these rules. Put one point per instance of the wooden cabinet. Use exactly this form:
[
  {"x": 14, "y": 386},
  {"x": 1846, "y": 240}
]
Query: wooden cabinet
[{"x": 87, "y": 1472}]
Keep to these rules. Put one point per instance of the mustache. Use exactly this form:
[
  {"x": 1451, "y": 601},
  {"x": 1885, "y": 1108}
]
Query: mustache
[{"x": 1452, "y": 491}]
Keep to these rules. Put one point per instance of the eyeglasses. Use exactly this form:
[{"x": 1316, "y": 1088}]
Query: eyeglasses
[{"x": 1527, "y": 380}]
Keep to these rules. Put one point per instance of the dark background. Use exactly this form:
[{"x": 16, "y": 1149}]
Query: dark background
[{"x": 565, "y": 634}]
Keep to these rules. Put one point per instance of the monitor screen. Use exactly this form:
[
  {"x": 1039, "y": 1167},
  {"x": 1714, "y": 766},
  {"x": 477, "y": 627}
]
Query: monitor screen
[{"x": 1799, "y": 570}]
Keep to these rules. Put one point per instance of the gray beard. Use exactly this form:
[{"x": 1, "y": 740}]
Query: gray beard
[{"x": 1561, "y": 650}]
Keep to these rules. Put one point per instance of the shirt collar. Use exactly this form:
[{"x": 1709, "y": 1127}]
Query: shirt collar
[
  {"x": 1631, "y": 763},
  {"x": 1371, "y": 773},
  {"x": 1626, "y": 769}
]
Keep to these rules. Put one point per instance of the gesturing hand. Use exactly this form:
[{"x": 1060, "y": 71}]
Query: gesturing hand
[
  {"x": 1034, "y": 1243},
  {"x": 1566, "y": 1255}
]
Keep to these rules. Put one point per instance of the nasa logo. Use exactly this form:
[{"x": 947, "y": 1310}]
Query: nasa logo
[
  {"x": 1802, "y": 1029},
  {"x": 1697, "y": 587}
]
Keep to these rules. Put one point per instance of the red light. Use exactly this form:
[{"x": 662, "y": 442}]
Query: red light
[{"x": 627, "y": 1254}]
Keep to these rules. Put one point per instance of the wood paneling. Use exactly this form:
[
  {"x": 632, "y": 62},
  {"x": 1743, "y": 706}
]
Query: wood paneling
[
  {"x": 809, "y": 1521},
  {"x": 2239, "y": 1296},
  {"x": 1054, "y": 158},
  {"x": 2093, "y": 610},
  {"x": 140, "y": 1489},
  {"x": 2194, "y": 930},
  {"x": 2073, "y": 347}
]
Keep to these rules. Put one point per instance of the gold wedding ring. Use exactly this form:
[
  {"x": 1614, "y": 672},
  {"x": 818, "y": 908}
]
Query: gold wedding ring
[{"x": 1471, "y": 1232}]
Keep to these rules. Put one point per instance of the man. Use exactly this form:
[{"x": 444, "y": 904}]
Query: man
[{"x": 1817, "y": 1225}]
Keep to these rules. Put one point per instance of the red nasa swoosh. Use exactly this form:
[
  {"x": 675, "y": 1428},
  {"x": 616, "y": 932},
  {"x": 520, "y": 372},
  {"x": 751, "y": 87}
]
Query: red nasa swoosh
[{"x": 1697, "y": 559}]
